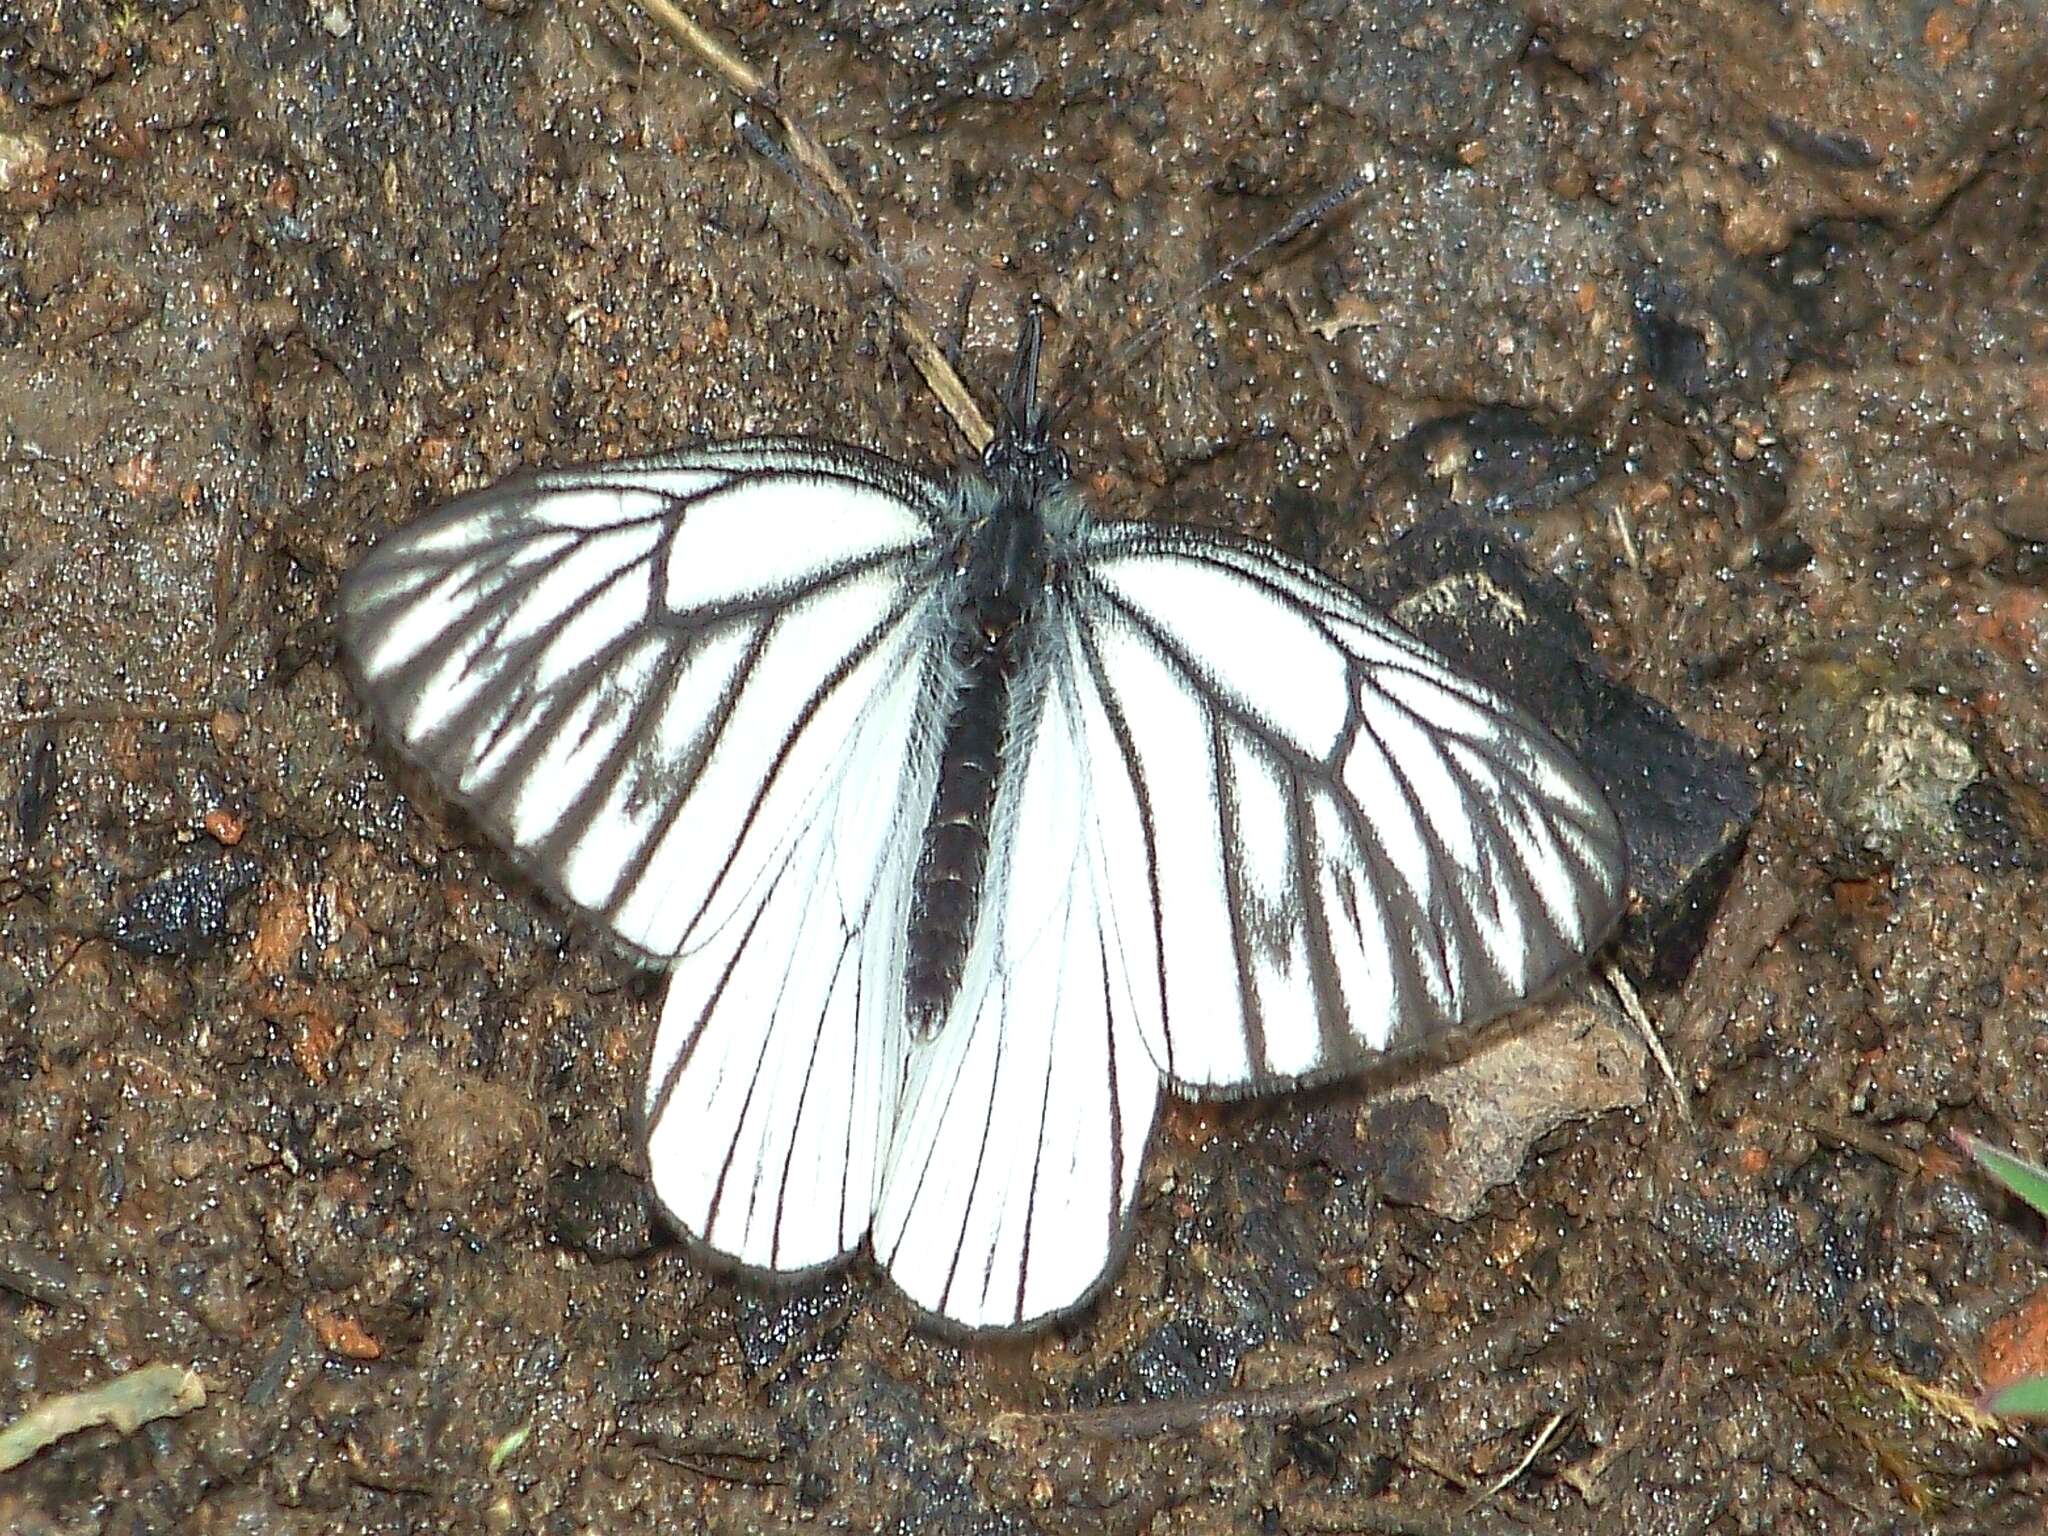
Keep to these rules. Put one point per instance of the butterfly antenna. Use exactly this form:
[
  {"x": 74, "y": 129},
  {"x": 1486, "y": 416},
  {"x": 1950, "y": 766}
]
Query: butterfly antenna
[
  {"x": 1306, "y": 217},
  {"x": 1027, "y": 418}
]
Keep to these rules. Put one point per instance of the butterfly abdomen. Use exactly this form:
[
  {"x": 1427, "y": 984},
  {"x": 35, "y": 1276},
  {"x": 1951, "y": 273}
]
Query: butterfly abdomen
[
  {"x": 954, "y": 859},
  {"x": 1002, "y": 564}
]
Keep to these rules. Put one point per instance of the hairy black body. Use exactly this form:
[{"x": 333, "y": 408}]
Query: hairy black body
[
  {"x": 947, "y": 887},
  {"x": 1004, "y": 563}
]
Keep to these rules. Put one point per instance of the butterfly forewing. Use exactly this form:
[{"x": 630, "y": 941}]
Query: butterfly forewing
[
  {"x": 624, "y": 672},
  {"x": 1348, "y": 845}
]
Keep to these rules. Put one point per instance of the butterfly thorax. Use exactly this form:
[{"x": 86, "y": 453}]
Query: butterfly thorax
[{"x": 1003, "y": 563}]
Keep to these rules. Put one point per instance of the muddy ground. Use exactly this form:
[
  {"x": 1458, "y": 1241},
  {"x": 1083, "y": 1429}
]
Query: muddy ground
[{"x": 302, "y": 1089}]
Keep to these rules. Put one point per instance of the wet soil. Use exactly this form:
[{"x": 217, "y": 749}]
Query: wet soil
[{"x": 302, "y": 1089}]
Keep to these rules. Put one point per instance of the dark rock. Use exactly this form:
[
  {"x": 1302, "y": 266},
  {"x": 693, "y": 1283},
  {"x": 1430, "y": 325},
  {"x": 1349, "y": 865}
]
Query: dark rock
[
  {"x": 604, "y": 1212},
  {"x": 37, "y": 787},
  {"x": 185, "y": 911}
]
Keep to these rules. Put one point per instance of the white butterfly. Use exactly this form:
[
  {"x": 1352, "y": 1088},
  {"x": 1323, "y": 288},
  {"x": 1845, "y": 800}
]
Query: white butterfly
[{"x": 962, "y": 823}]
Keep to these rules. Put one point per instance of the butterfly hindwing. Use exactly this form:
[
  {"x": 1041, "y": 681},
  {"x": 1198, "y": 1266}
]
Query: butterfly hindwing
[{"x": 777, "y": 1068}]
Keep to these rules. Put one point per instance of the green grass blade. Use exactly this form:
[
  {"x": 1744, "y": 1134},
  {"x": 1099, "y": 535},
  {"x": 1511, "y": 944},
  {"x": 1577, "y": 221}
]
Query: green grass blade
[
  {"x": 2024, "y": 1399},
  {"x": 2023, "y": 1178}
]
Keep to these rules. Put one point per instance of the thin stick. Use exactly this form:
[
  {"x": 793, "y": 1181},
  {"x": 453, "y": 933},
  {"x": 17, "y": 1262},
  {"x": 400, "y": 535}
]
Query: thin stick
[
  {"x": 738, "y": 75},
  {"x": 1145, "y": 1420},
  {"x": 1632, "y": 1005},
  {"x": 1536, "y": 1447},
  {"x": 804, "y": 161}
]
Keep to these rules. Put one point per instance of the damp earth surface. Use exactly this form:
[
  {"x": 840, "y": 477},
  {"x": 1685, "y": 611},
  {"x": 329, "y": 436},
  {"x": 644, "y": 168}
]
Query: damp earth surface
[{"x": 1731, "y": 320}]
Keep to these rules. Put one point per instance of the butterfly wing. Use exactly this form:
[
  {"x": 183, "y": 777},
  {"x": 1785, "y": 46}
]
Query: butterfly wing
[
  {"x": 1317, "y": 839},
  {"x": 695, "y": 696},
  {"x": 1025, "y": 1119}
]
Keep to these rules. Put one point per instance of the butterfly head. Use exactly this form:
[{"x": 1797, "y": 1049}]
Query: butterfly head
[
  {"x": 1020, "y": 515},
  {"x": 1021, "y": 460}
]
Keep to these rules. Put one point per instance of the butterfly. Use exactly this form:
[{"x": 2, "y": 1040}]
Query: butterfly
[{"x": 964, "y": 824}]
